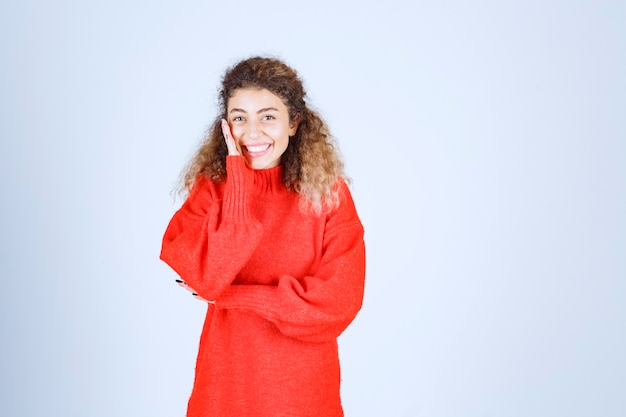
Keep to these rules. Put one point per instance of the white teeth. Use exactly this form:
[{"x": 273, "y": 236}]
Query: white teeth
[{"x": 257, "y": 148}]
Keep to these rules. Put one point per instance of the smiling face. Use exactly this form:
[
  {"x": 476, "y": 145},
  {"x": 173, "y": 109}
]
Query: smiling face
[{"x": 260, "y": 125}]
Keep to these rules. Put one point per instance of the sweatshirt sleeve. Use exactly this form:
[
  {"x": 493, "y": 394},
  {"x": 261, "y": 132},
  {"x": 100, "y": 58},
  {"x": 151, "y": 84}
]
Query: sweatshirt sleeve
[
  {"x": 208, "y": 240},
  {"x": 314, "y": 308}
]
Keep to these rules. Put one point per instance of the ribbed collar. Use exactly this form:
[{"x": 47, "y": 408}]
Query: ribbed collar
[{"x": 269, "y": 181}]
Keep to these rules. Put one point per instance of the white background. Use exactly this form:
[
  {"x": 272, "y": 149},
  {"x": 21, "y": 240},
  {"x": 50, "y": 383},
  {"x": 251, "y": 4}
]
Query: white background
[{"x": 486, "y": 143}]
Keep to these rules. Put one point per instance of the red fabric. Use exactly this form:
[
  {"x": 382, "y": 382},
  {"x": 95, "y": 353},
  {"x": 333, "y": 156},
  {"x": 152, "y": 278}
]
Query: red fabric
[{"x": 285, "y": 284}]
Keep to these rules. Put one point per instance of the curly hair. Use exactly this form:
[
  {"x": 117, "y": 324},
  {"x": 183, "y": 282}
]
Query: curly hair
[{"x": 311, "y": 163}]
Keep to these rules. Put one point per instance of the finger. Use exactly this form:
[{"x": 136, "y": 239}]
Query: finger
[
  {"x": 192, "y": 291},
  {"x": 197, "y": 297},
  {"x": 183, "y": 284},
  {"x": 228, "y": 137}
]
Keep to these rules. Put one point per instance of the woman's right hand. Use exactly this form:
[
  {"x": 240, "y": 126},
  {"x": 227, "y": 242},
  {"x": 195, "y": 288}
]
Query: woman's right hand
[{"x": 228, "y": 138}]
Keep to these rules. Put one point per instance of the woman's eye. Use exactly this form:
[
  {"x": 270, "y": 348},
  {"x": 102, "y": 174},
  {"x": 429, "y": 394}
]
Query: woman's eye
[
  {"x": 268, "y": 117},
  {"x": 237, "y": 119}
]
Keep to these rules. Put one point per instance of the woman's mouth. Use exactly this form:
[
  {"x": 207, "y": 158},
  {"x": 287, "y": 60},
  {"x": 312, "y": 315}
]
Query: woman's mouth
[{"x": 257, "y": 150}]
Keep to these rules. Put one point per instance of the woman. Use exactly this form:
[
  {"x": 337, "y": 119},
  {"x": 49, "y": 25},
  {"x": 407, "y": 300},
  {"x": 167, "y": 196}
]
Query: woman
[{"x": 269, "y": 235}]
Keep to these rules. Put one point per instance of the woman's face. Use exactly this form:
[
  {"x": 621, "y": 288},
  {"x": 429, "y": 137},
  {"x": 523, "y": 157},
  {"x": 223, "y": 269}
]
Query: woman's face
[{"x": 259, "y": 123}]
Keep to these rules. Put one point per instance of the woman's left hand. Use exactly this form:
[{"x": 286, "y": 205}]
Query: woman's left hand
[{"x": 193, "y": 292}]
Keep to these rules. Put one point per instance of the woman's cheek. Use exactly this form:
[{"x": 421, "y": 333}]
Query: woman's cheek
[{"x": 237, "y": 132}]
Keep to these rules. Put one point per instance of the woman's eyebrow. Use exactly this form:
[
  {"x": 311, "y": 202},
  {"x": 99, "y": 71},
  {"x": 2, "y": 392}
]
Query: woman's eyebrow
[
  {"x": 263, "y": 110},
  {"x": 267, "y": 109}
]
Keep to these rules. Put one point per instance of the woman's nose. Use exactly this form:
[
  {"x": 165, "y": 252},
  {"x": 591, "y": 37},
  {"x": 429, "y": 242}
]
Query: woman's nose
[{"x": 254, "y": 130}]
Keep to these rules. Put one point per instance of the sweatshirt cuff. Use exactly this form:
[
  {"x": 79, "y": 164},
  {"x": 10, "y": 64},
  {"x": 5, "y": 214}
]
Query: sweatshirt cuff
[
  {"x": 251, "y": 297},
  {"x": 239, "y": 184}
]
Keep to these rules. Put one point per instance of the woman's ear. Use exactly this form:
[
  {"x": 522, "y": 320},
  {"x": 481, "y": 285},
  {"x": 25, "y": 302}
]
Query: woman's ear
[{"x": 293, "y": 125}]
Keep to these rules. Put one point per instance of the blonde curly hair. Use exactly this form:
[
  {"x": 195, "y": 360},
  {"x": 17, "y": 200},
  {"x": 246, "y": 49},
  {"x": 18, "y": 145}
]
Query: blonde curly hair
[{"x": 311, "y": 163}]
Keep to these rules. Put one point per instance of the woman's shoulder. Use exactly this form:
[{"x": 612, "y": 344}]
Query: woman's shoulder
[
  {"x": 344, "y": 194},
  {"x": 205, "y": 188},
  {"x": 344, "y": 211}
]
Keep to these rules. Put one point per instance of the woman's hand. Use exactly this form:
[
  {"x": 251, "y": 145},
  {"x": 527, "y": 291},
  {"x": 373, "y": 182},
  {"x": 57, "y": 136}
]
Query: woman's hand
[
  {"x": 233, "y": 149},
  {"x": 192, "y": 291}
]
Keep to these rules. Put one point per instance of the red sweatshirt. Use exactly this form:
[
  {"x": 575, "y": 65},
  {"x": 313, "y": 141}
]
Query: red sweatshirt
[{"x": 285, "y": 284}]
